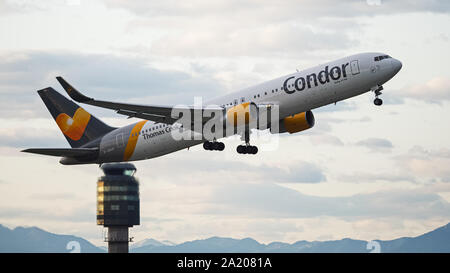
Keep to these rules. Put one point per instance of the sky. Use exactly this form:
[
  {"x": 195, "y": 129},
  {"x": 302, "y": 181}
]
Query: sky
[{"x": 362, "y": 172}]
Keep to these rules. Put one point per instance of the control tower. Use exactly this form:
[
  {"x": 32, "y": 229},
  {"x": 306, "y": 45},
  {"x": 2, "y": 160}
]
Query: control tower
[{"x": 118, "y": 204}]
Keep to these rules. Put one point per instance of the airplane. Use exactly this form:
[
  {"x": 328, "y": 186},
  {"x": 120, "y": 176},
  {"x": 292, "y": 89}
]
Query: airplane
[{"x": 293, "y": 95}]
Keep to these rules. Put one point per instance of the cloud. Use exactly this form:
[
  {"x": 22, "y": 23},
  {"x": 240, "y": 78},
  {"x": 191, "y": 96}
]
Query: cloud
[
  {"x": 260, "y": 40},
  {"x": 300, "y": 172},
  {"x": 240, "y": 29},
  {"x": 269, "y": 200},
  {"x": 24, "y": 6},
  {"x": 363, "y": 177},
  {"x": 101, "y": 76},
  {"x": 435, "y": 90},
  {"x": 296, "y": 171},
  {"x": 424, "y": 163},
  {"x": 9, "y": 6},
  {"x": 27, "y": 136},
  {"x": 376, "y": 144},
  {"x": 259, "y": 10},
  {"x": 75, "y": 214},
  {"x": 324, "y": 139},
  {"x": 269, "y": 29},
  {"x": 53, "y": 196}
]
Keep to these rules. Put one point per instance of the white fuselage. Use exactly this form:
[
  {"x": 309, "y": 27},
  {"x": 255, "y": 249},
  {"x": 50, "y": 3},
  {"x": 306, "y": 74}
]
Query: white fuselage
[{"x": 294, "y": 93}]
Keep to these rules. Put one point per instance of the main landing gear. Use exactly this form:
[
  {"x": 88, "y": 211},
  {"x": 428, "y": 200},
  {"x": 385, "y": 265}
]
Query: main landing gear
[
  {"x": 377, "y": 101},
  {"x": 247, "y": 148},
  {"x": 213, "y": 146}
]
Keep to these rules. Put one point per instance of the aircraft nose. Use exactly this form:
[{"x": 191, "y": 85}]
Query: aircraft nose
[{"x": 396, "y": 65}]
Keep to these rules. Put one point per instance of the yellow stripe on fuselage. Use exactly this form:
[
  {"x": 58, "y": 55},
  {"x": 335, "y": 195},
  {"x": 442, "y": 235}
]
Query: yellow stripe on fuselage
[{"x": 132, "y": 140}]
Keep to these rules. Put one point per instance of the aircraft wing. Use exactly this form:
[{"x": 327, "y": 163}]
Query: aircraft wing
[
  {"x": 157, "y": 113},
  {"x": 64, "y": 152}
]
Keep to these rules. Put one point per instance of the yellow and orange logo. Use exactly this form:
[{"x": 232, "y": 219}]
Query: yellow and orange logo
[{"x": 73, "y": 127}]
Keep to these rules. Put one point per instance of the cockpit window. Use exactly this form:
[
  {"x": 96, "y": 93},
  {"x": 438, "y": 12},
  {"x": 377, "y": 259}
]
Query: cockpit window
[{"x": 379, "y": 58}]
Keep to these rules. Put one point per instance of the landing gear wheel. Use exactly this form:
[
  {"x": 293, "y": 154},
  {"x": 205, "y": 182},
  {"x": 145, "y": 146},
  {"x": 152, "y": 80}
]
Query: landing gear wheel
[
  {"x": 240, "y": 149},
  {"x": 252, "y": 150},
  {"x": 247, "y": 149},
  {"x": 213, "y": 146},
  {"x": 378, "y": 102},
  {"x": 207, "y": 145},
  {"x": 220, "y": 146}
]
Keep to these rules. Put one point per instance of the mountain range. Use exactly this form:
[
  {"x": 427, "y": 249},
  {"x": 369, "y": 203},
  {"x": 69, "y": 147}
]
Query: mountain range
[{"x": 33, "y": 239}]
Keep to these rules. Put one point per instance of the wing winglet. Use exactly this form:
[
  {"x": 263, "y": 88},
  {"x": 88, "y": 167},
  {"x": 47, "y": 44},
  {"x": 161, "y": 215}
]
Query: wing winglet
[{"x": 72, "y": 92}]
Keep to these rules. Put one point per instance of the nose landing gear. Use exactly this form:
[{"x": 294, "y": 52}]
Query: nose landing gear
[{"x": 377, "y": 90}]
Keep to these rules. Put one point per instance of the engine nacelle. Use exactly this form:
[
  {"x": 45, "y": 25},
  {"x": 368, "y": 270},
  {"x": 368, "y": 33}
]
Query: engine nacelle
[{"x": 296, "y": 123}]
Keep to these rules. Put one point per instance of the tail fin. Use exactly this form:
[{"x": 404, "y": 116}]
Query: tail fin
[{"x": 78, "y": 126}]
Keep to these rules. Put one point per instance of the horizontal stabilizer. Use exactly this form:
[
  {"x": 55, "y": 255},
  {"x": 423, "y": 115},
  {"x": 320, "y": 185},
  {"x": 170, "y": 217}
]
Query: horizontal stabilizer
[{"x": 64, "y": 152}]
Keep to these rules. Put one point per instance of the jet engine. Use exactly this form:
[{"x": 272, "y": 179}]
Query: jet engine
[{"x": 296, "y": 123}]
